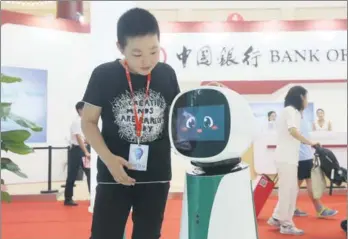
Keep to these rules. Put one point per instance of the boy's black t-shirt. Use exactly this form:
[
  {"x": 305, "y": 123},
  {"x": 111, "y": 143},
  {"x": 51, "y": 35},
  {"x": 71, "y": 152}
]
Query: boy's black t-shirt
[{"x": 108, "y": 88}]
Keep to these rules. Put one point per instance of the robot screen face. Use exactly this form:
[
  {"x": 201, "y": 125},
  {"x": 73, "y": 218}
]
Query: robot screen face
[{"x": 201, "y": 123}]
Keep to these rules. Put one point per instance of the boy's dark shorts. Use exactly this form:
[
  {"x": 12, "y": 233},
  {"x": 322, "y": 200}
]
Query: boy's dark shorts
[{"x": 304, "y": 169}]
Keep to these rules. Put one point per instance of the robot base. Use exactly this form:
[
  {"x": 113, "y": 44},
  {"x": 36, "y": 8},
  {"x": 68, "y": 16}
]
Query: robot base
[{"x": 218, "y": 206}]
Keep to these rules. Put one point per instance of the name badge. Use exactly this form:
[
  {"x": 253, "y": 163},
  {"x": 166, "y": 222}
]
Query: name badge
[{"x": 138, "y": 156}]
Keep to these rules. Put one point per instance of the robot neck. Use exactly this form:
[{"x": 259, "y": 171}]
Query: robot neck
[{"x": 218, "y": 168}]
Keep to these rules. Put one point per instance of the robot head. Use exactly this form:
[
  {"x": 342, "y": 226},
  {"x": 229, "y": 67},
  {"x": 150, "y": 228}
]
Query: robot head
[{"x": 210, "y": 124}]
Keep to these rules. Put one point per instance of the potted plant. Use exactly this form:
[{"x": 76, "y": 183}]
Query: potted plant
[{"x": 13, "y": 140}]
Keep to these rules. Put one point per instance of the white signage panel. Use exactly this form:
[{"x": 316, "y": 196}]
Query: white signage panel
[{"x": 236, "y": 56}]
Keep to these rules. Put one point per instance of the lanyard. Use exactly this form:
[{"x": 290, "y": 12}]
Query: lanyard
[{"x": 138, "y": 121}]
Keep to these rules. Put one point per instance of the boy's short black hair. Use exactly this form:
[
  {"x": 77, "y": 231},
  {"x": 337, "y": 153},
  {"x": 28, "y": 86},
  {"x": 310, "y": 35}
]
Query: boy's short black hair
[
  {"x": 320, "y": 110},
  {"x": 294, "y": 97},
  {"x": 134, "y": 23},
  {"x": 79, "y": 106}
]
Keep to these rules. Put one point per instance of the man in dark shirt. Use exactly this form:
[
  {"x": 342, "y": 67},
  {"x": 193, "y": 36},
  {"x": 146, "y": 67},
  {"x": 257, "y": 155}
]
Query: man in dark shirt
[{"x": 132, "y": 96}]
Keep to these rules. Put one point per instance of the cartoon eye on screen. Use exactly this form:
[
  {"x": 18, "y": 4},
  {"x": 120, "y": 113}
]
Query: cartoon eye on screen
[{"x": 201, "y": 123}]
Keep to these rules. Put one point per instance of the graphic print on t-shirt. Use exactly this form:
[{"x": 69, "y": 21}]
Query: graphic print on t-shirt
[{"x": 153, "y": 122}]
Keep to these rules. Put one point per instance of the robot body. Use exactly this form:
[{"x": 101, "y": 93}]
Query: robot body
[
  {"x": 213, "y": 127},
  {"x": 212, "y": 207}
]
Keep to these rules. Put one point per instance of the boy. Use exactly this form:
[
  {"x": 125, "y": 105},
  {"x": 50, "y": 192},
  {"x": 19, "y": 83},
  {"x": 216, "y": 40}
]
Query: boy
[
  {"x": 304, "y": 174},
  {"x": 133, "y": 97}
]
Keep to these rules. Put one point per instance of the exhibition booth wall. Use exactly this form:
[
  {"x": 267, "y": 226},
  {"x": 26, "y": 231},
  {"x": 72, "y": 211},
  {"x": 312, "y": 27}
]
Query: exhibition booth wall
[
  {"x": 260, "y": 60},
  {"x": 186, "y": 11}
]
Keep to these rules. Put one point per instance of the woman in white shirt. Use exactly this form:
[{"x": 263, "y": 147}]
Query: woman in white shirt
[
  {"x": 272, "y": 116},
  {"x": 287, "y": 155},
  {"x": 321, "y": 124}
]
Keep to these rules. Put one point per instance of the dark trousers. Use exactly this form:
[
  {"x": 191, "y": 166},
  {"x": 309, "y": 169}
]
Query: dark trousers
[
  {"x": 112, "y": 206},
  {"x": 74, "y": 163}
]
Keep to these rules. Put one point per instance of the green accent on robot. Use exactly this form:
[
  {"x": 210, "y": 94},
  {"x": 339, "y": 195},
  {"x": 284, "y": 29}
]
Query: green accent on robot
[{"x": 201, "y": 191}]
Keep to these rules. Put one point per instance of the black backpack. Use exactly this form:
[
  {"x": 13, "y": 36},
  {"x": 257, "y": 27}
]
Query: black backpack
[{"x": 329, "y": 164}]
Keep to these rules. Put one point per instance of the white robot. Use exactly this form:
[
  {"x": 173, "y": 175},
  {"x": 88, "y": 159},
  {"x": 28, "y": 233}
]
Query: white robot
[{"x": 213, "y": 127}]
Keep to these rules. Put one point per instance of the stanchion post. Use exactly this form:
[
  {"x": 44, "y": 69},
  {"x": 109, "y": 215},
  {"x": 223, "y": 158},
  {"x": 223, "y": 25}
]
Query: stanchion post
[
  {"x": 49, "y": 179},
  {"x": 332, "y": 176},
  {"x": 331, "y": 187}
]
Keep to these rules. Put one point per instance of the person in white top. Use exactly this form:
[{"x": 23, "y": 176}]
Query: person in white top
[
  {"x": 289, "y": 139},
  {"x": 78, "y": 156},
  {"x": 272, "y": 117},
  {"x": 321, "y": 124}
]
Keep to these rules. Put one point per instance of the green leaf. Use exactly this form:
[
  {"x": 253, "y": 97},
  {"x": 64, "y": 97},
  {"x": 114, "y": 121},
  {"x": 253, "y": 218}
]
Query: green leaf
[
  {"x": 5, "y": 197},
  {"x": 16, "y": 136},
  {"x": 3, "y": 147},
  {"x": 9, "y": 165},
  {"x": 16, "y": 147},
  {"x": 20, "y": 174},
  {"x": 25, "y": 123},
  {"x": 9, "y": 79},
  {"x": 5, "y": 109}
]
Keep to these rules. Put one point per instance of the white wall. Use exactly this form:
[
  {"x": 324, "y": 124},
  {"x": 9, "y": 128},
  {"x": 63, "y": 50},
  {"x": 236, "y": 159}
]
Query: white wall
[
  {"x": 63, "y": 55},
  {"x": 58, "y": 53},
  {"x": 250, "y": 10},
  {"x": 238, "y": 4},
  {"x": 211, "y": 10},
  {"x": 328, "y": 96}
]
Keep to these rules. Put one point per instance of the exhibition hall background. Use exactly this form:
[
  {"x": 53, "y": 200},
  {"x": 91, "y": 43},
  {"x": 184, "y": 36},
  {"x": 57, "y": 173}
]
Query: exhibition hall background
[{"x": 56, "y": 58}]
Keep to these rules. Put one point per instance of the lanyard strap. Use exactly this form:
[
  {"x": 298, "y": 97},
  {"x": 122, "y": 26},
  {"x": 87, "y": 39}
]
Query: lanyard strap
[{"x": 138, "y": 121}]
